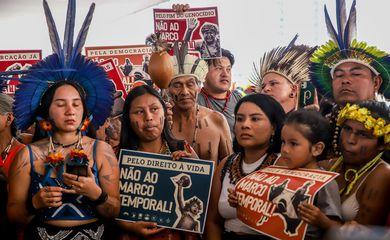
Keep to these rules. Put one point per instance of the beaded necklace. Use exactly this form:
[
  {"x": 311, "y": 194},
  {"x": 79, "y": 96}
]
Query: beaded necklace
[
  {"x": 206, "y": 95},
  {"x": 236, "y": 172},
  {"x": 357, "y": 174},
  {"x": 5, "y": 152}
]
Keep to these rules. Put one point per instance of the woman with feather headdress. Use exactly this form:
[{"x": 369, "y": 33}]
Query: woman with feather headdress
[
  {"x": 65, "y": 182},
  {"x": 280, "y": 73}
]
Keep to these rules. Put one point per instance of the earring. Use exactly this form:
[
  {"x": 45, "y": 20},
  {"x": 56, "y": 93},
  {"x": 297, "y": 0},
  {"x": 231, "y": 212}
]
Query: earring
[
  {"x": 291, "y": 95},
  {"x": 271, "y": 141},
  {"x": 86, "y": 122},
  {"x": 45, "y": 125}
]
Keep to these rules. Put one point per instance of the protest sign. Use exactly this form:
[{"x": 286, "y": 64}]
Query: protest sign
[
  {"x": 13, "y": 60},
  {"x": 131, "y": 61},
  {"x": 198, "y": 26},
  {"x": 113, "y": 75},
  {"x": 268, "y": 199},
  {"x": 174, "y": 194}
]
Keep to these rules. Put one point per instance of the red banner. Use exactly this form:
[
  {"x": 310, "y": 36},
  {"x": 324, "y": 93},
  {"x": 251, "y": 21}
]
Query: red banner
[
  {"x": 12, "y": 60},
  {"x": 199, "y": 26},
  {"x": 131, "y": 61},
  {"x": 268, "y": 199},
  {"x": 113, "y": 74}
]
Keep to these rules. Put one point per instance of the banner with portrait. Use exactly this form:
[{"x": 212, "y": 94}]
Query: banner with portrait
[
  {"x": 174, "y": 194},
  {"x": 13, "y": 60},
  {"x": 131, "y": 61},
  {"x": 198, "y": 26},
  {"x": 268, "y": 199}
]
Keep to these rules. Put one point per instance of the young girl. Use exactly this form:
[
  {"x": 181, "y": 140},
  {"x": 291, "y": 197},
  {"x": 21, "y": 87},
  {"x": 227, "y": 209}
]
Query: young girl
[{"x": 305, "y": 136}]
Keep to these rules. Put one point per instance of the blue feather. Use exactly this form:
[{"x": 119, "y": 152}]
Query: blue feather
[
  {"x": 69, "y": 30},
  {"x": 341, "y": 16},
  {"x": 54, "y": 38},
  {"x": 82, "y": 36},
  {"x": 332, "y": 32},
  {"x": 350, "y": 28}
]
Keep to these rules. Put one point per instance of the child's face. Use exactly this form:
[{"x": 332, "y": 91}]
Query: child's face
[
  {"x": 296, "y": 151},
  {"x": 358, "y": 145},
  {"x": 194, "y": 208}
]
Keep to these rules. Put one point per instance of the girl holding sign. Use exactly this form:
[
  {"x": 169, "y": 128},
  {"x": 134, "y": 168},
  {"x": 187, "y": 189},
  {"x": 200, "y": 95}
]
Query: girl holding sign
[
  {"x": 258, "y": 123},
  {"x": 305, "y": 138},
  {"x": 145, "y": 128}
]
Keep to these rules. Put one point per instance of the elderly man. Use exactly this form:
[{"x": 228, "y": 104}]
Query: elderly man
[
  {"x": 207, "y": 131},
  {"x": 348, "y": 71}
]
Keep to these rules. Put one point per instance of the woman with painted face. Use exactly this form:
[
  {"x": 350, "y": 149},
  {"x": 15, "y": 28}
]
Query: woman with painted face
[
  {"x": 259, "y": 120},
  {"x": 145, "y": 128},
  {"x": 364, "y": 179},
  {"x": 65, "y": 183},
  {"x": 280, "y": 73}
]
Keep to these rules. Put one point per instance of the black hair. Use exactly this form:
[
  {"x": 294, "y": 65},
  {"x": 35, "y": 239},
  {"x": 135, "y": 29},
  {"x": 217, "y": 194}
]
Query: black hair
[
  {"x": 378, "y": 110},
  {"x": 46, "y": 101},
  {"x": 225, "y": 53},
  {"x": 128, "y": 138},
  {"x": 275, "y": 114},
  {"x": 319, "y": 127}
]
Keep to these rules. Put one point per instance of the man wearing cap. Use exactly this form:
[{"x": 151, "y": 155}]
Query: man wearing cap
[{"x": 207, "y": 131}]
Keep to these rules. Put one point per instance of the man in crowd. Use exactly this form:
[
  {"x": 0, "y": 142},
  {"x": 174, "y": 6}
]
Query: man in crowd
[
  {"x": 216, "y": 94},
  {"x": 205, "y": 130}
]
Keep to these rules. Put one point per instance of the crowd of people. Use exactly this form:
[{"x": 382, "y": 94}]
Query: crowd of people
[{"x": 64, "y": 182}]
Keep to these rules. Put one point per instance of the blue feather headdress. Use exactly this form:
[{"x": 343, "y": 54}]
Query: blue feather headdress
[
  {"x": 65, "y": 64},
  {"x": 343, "y": 47}
]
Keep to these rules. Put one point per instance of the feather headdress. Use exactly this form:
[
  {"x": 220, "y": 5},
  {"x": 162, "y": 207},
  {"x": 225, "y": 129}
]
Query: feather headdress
[
  {"x": 290, "y": 62},
  {"x": 343, "y": 47},
  {"x": 65, "y": 64},
  {"x": 185, "y": 64}
]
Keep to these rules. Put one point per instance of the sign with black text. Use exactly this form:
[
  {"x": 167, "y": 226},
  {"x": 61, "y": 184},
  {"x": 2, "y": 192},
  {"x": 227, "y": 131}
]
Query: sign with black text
[{"x": 174, "y": 194}]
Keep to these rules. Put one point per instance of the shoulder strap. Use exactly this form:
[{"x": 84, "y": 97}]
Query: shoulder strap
[
  {"x": 94, "y": 167},
  {"x": 31, "y": 158}
]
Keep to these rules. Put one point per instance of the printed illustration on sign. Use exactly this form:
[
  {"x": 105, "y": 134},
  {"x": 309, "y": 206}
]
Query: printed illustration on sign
[
  {"x": 197, "y": 26},
  {"x": 188, "y": 211},
  {"x": 173, "y": 194},
  {"x": 130, "y": 61},
  {"x": 268, "y": 199},
  {"x": 287, "y": 202},
  {"x": 15, "y": 60}
]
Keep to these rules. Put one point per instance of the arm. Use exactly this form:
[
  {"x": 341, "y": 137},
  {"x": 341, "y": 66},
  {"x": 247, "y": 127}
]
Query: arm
[
  {"x": 214, "y": 222},
  {"x": 19, "y": 182},
  {"x": 109, "y": 180},
  {"x": 373, "y": 197},
  {"x": 179, "y": 196},
  {"x": 225, "y": 140}
]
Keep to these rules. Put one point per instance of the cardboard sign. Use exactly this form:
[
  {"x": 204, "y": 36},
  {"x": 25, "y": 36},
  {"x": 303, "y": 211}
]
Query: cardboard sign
[
  {"x": 174, "y": 194},
  {"x": 112, "y": 72},
  {"x": 131, "y": 61},
  {"x": 13, "y": 60},
  {"x": 268, "y": 199},
  {"x": 198, "y": 26}
]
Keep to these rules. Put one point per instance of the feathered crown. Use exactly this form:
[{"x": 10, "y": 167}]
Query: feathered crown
[
  {"x": 290, "y": 62},
  {"x": 343, "y": 47},
  {"x": 185, "y": 64},
  {"x": 65, "y": 64}
]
